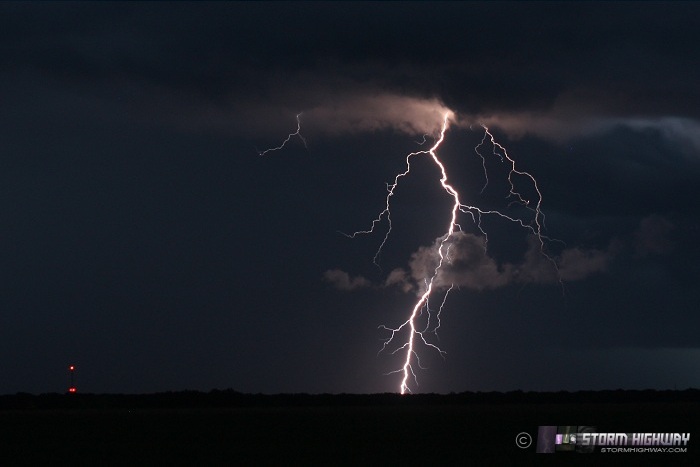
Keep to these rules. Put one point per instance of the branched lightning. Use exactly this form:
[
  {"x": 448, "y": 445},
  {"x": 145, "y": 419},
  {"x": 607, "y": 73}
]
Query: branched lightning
[
  {"x": 415, "y": 335},
  {"x": 288, "y": 139},
  {"x": 535, "y": 225}
]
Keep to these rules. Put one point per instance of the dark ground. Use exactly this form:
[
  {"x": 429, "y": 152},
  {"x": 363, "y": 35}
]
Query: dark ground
[{"x": 226, "y": 427}]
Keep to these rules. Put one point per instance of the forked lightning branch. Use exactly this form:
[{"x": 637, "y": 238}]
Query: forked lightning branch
[{"x": 415, "y": 336}]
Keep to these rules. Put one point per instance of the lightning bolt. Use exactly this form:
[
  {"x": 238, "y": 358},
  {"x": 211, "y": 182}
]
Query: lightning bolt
[
  {"x": 416, "y": 336},
  {"x": 288, "y": 139},
  {"x": 535, "y": 226}
]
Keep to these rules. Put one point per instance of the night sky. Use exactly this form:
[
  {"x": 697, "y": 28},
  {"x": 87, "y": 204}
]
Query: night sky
[{"x": 145, "y": 240}]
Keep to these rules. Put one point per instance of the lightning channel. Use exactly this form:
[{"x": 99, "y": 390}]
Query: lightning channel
[
  {"x": 410, "y": 326},
  {"x": 288, "y": 139},
  {"x": 415, "y": 336}
]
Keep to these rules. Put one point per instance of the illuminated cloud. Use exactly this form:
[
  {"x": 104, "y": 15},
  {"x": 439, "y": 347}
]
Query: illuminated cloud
[
  {"x": 367, "y": 113},
  {"x": 561, "y": 127},
  {"x": 341, "y": 280},
  {"x": 573, "y": 264},
  {"x": 683, "y": 131},
  {"x": 398, "y": 277},
  {"x": 324, "y": 112},
  {"x": 469, "y": 265}
]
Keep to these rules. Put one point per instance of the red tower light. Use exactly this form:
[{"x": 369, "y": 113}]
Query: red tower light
[{"x": 72, "y": 389}]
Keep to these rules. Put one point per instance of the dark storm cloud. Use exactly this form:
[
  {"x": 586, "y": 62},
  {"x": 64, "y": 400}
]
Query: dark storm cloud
[
  {"x": 250, "y": 63},
  {"x": 652, "y": 237}
]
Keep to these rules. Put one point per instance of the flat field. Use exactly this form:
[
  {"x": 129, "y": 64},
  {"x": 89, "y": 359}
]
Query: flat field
[{"x": 322, "y": 430}]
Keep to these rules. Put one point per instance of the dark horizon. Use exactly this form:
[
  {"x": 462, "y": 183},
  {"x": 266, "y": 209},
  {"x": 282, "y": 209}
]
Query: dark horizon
[
  {"x": 217, "y": 428},
  {"x": 222, "y": 397}
]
